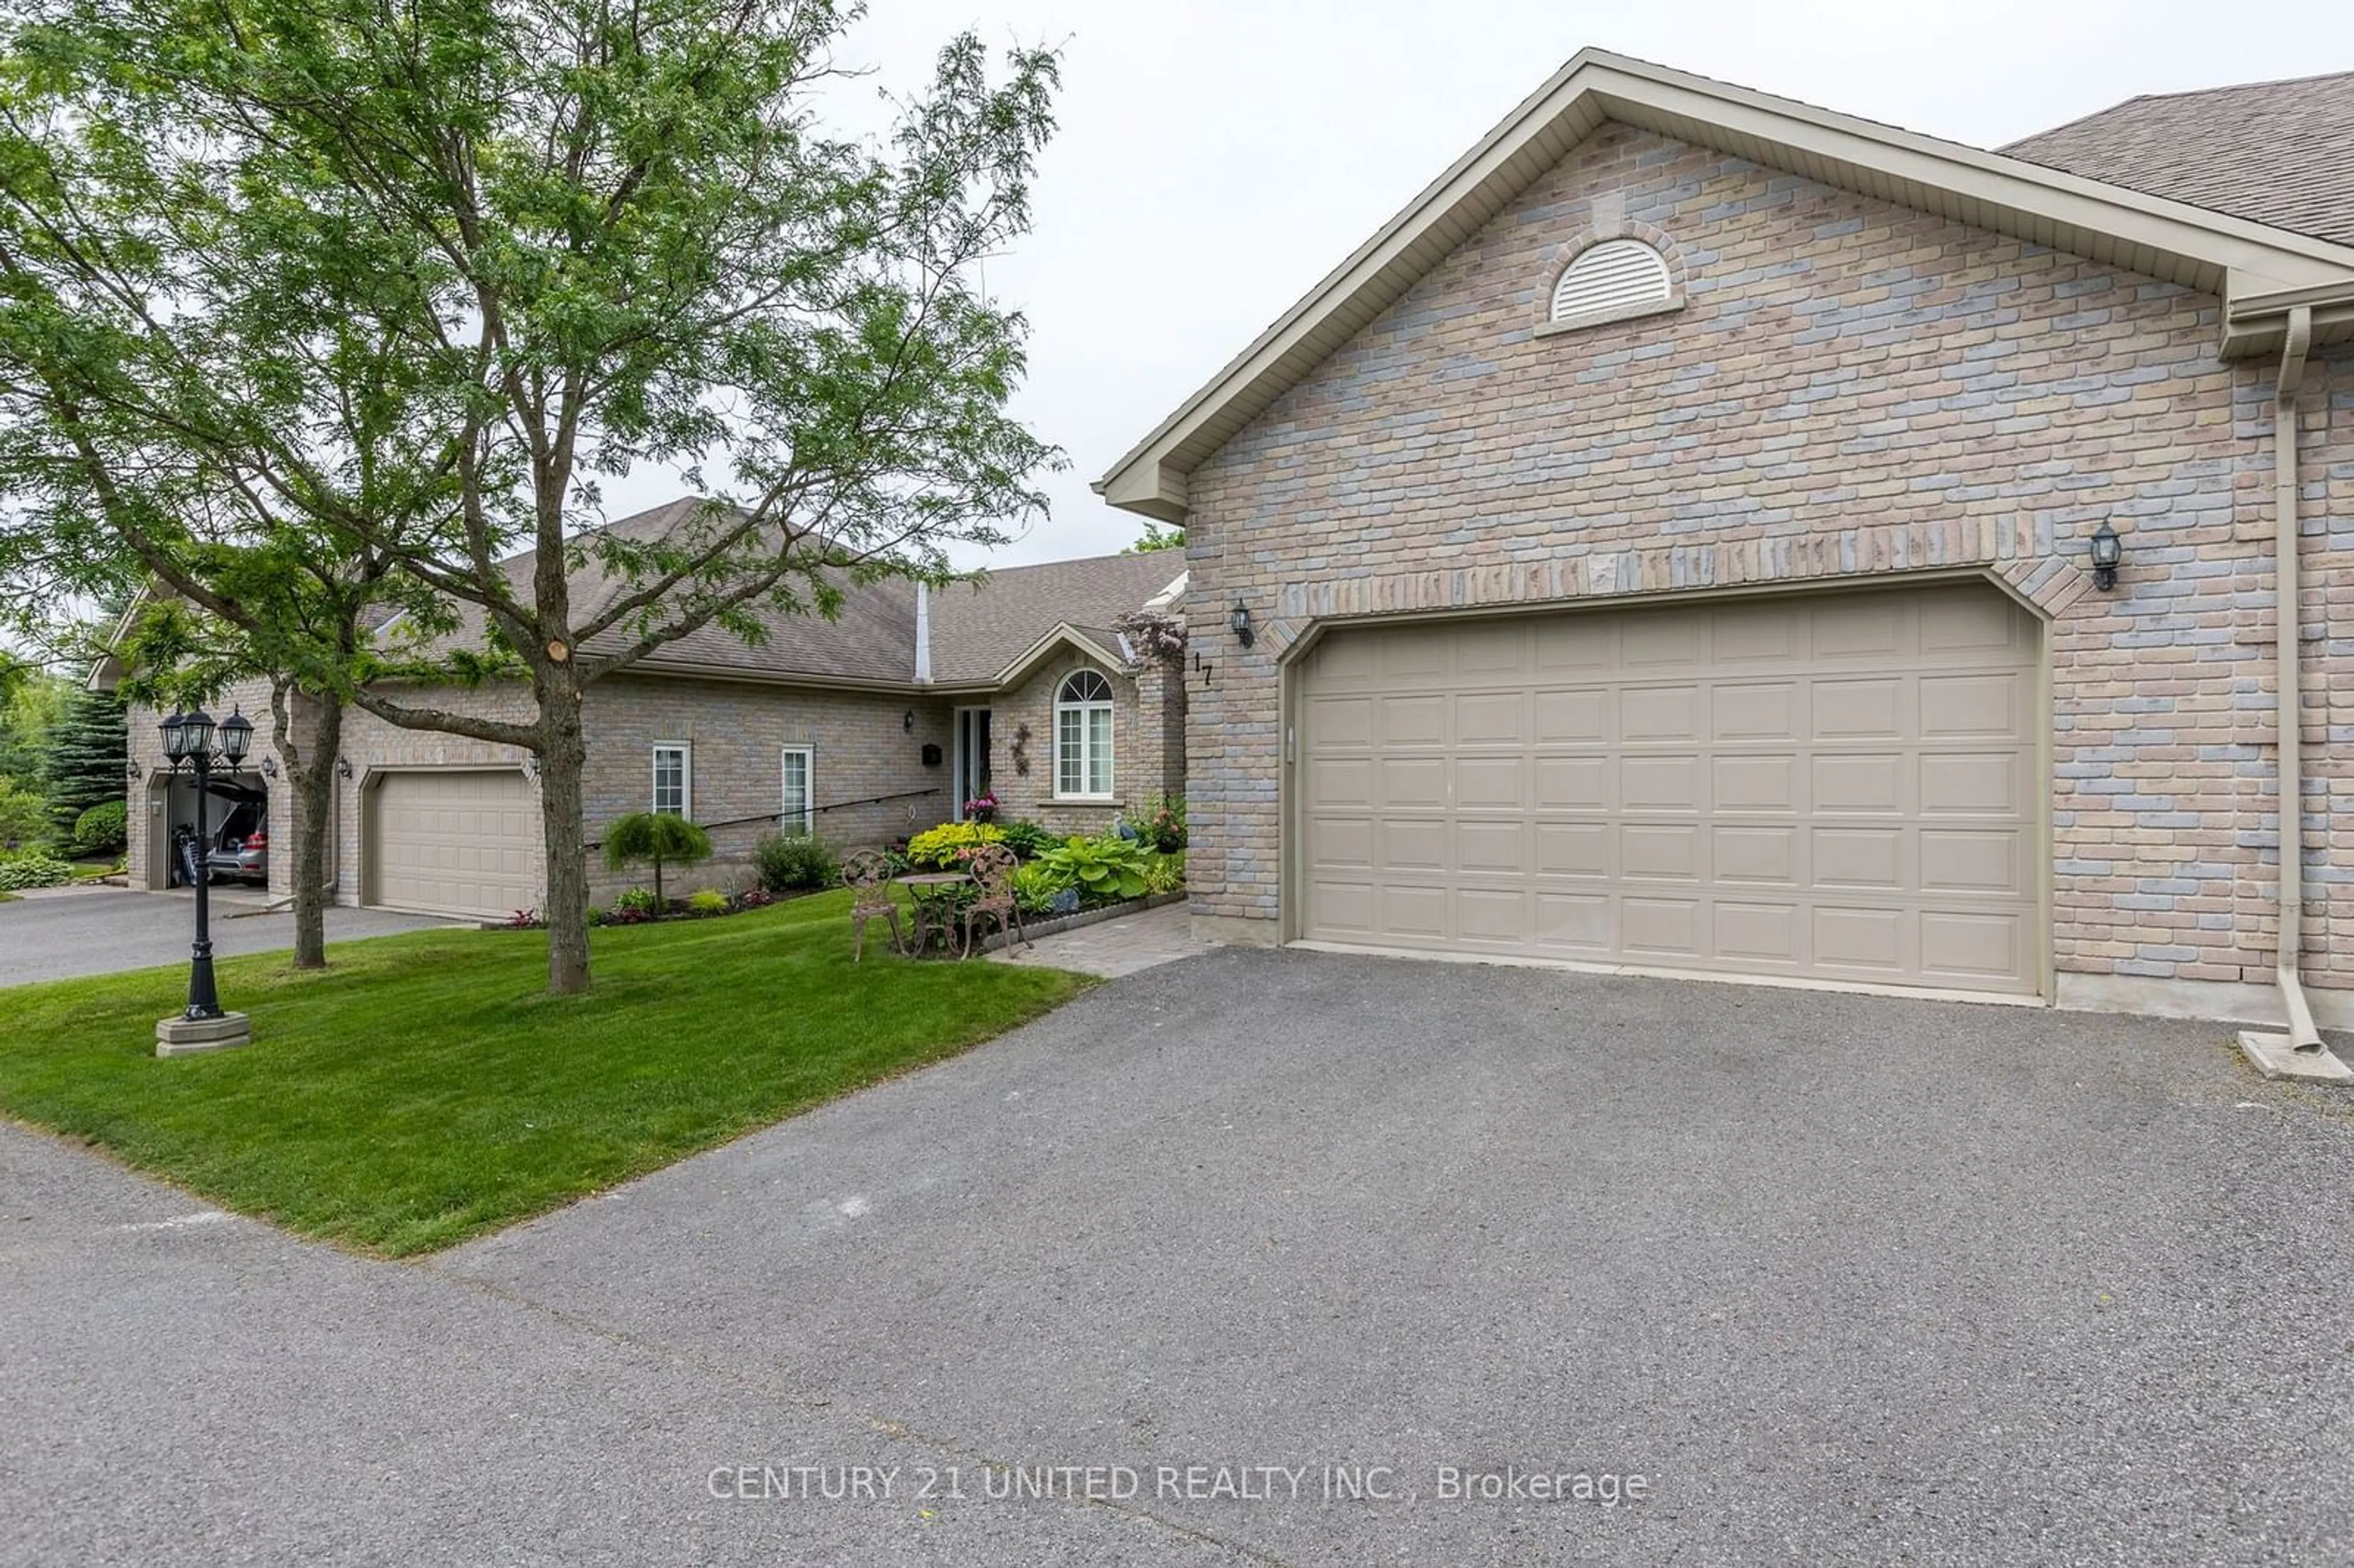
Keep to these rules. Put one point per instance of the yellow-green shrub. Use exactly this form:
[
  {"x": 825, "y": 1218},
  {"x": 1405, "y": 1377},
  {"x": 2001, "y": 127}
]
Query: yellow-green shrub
[{"x": 940, "y": 847}]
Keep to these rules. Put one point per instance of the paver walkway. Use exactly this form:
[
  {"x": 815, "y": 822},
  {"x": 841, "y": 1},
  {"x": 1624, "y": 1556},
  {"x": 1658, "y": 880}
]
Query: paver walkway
[{"x": 1118, "y": 947}]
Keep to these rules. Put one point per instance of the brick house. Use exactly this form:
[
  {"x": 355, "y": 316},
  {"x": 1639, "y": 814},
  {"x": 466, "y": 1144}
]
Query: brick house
[
  {"x": 865, "y": 728},
  {"x": 1668, "y": 543}
]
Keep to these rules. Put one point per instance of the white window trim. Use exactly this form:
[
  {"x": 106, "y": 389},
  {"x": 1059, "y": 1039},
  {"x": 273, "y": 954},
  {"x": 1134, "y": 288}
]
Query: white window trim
[
  {"x": 808, "y": 754},
  {"x": 1110, "y": 705},
  {"x": 685, "y": 750}
]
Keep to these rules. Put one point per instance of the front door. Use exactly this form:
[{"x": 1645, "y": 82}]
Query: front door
[{"x": 970, "y": 775}]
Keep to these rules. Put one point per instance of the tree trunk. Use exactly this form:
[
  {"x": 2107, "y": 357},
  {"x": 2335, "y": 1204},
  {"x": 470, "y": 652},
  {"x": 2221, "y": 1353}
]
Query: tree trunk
[
  {"x": 562, "y": 756},
  {"x": 310, "y": 758},
  {"x": 314, "y": 791}
]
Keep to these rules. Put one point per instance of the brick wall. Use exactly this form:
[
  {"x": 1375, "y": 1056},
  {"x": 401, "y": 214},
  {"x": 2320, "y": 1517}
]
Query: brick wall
[
  {"x": 1851, "y": 387},
  {"x": 736, "y": 732},
  {"x": 1139, "y": 750}
]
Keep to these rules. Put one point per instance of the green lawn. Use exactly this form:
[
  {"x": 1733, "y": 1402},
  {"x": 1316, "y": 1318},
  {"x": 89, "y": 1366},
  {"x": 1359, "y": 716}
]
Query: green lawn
[{"x": 424, "y": 1089}]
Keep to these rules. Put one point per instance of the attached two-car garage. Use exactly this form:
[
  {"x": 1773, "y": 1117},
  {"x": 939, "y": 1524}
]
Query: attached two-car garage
[
  {"x": 1834, "y": 786},
  {"x": 451, "y": 842}
]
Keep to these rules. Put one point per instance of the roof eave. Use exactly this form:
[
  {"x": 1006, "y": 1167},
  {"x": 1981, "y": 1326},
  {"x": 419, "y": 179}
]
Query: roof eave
[
  {"x": 1026, "y": 663},
  {"x": 2210, "y": 251}
]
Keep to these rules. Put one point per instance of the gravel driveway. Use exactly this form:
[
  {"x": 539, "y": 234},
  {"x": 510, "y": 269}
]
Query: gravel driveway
[
  {"x": 1843, "y": 1279},
  {"x": 54, "y": 934}
]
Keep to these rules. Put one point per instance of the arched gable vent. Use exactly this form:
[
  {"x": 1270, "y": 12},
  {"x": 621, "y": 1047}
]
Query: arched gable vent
[{"x": 1615, "y": 278}]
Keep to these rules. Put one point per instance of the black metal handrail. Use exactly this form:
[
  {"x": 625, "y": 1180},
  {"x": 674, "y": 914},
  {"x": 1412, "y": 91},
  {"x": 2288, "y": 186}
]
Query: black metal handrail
[{"x": 814, "y": 810}]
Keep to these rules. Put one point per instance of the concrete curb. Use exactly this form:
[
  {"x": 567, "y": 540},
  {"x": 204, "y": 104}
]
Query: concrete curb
[{"x": 1035, "y": 930}]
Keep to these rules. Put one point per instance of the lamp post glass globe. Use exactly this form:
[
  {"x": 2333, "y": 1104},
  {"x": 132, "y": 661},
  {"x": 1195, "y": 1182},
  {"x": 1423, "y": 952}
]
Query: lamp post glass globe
[
  {"x": 175, "y": 736},
  {"x": 196, "y": 732},
  {"x": 2107, "y": 550},
  {"x": 235, "y": 736}
]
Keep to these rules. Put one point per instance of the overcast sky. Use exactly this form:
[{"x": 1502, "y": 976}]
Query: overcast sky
[{"x": 1216, "y": 157}]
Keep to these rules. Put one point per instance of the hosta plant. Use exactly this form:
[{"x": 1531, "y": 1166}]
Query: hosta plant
[{"x": 1105, "y": 870}]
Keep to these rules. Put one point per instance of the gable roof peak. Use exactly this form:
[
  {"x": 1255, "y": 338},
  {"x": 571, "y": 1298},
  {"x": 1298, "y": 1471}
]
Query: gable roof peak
[{"x": 2214, "y": 251}]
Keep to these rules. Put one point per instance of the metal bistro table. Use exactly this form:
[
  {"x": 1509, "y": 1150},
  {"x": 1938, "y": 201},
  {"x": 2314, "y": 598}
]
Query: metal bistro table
[{"x": 933, "y": 893}]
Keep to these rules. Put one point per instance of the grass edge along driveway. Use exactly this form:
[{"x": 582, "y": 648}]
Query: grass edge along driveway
[{"x": 424, "y": 1089}]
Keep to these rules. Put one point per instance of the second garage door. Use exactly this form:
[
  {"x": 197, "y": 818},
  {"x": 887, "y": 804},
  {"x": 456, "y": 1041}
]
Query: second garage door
[
  {"x": 452, "y": 843},
  {"x": 1839, "y": 787}
]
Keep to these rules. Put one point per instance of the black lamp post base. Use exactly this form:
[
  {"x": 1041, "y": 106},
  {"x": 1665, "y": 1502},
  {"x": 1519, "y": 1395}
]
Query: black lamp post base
[{"x": 184, "y": 1037}]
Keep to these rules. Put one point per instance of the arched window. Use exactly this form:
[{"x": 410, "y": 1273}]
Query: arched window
[
  {"x": 1083, "y": 737},
  {"x": 1616, "y": 279}
]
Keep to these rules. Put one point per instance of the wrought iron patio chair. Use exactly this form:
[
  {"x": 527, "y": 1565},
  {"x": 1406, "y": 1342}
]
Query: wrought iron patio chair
[
  {"x": 867, "y": 874},
  {"x": 992, "y": 867}
]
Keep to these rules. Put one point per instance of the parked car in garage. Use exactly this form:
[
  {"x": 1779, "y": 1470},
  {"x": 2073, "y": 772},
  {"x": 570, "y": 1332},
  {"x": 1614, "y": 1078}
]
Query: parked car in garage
[{"x": 237, "y": 820}]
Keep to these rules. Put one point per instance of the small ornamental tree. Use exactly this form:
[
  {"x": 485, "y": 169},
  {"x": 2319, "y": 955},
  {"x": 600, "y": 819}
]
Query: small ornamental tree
[{"x": 655, "y": 836}]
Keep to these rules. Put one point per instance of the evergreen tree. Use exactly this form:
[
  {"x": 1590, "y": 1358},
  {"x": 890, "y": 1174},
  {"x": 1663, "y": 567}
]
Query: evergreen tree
[{"x": 83, "y": 756}]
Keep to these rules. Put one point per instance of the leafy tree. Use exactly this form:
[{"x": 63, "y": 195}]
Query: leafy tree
[
  {"x": 584, "y": 236},
  {"x": 655, "y": 836},
  {"x": 24, "y": 815},
  {"x": 82, "y": 758},
  {"x": 33, "y": 699},
  {"x": 1156, "y": 538}
]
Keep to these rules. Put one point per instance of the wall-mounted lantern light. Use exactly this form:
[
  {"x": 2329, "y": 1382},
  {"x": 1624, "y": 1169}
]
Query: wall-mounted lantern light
[
  {"x": 908, "y": 722},
  {"x": 1240, "y": 621},
  {"x": 131, "y": 771},
  {"x": 269, "y": 767},
  {"x": 2108, "y": 551},
  {"x": 343, "y": 767}
]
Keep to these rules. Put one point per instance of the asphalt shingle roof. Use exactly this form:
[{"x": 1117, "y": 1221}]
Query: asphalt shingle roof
[
  {"x": 2277, "y": 153},
  {"x": 980, "y": 628},
  {"x": 977, "y": 628}
]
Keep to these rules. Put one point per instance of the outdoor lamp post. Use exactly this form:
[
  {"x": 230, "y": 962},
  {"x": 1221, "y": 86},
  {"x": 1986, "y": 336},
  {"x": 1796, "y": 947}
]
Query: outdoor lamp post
[{"x": 191, "y": 737}]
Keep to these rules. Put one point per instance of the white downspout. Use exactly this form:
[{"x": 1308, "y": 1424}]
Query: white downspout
[
  {"x": 923, "y": 634},
  {"x": 2287, "y": 679}
]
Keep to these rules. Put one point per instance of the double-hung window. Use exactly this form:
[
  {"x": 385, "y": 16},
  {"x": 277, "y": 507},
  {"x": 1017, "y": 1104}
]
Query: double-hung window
[
  {"x": 674, "y": 779},
  {"x": 1083, "y": 737},
  {"x": 800, "y": 812}
]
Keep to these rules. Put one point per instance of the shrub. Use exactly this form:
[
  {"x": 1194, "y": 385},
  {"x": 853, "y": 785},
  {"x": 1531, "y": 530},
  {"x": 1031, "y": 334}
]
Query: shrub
[
  {"x": 655, "y": 836},
  {"x": 643, "y": 903},
  {"x": 1164, "y": 874},
  {"x": 37, "y": 869},
  {"x": 24, "y": 815},
  {"x": 1028, "y": 840},
  {"x": 1105, "y": 870},
  {"x": 940, "y": 849},
  {"x": 102, "y": 830},
  {"x": 1036, "y": 884},
  {"x": 789, "y": 861},
  {"x": 1160, "y": 823},
  {"x": 707, "y": 901}
]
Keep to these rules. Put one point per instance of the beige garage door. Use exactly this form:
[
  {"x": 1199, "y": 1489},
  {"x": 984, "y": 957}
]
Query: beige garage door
[
  {"x": 1839, "y": 786},
  {"x": 454, "y": 843}
]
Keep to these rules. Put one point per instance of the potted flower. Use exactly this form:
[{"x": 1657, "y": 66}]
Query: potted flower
[{"x": 981, "y": 808}]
